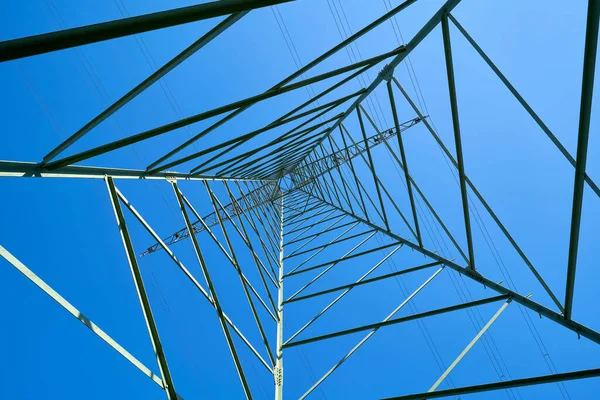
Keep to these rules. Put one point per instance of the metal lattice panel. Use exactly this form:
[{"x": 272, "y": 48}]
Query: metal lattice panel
[{"x": 307, "y": 200}]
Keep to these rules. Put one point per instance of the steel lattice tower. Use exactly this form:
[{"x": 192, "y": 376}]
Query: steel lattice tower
[{"x": 290, "y": 202}]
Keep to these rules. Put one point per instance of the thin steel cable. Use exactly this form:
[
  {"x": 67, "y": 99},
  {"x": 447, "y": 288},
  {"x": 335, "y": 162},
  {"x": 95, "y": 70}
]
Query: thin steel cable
[
  {"x": 545, "y": 355},
  {"x": 166, "y": 89},
  {"x": 508, "y": 278},
  {"x": 422, "y": 325},
  {"x": 409, "y": 64},
  {"x": 293, "y": 51},
  {"x": 477, "y": 325},
  {"x": 526, "y": 316},
  {"x": 172, "y": 327},
  {"x": 349, "y": 50},
  {"x": 367, "y": 73},
  {"x": 101, "y": 91}
]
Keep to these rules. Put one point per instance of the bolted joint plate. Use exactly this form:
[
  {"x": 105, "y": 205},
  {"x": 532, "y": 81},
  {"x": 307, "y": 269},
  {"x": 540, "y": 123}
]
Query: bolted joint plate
[
  {"x": 278, "y": 373},
  {"x": 387, "y": 72}
]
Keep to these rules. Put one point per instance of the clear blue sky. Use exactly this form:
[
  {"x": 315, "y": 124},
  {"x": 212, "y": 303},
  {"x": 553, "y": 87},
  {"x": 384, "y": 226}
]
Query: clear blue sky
[{"x": 64, "y": 230}]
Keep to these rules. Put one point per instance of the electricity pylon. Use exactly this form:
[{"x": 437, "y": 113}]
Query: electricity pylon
[{"x": 299, "y": 187}]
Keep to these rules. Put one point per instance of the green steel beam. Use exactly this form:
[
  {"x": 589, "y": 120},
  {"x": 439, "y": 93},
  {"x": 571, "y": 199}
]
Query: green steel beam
[
  {"x": 295, "y": 140},
  {"x": 368, "y": 336},
  {"x": 305, "y": 229},
  {"x": 279, "y": 362},
  {"x": 330, "y": 266},
  {"x": 242, "y": 104},
  {"x": 331, "y": 242},
  {"x": 338, "y": 298},
  {"x": 409, "y": 47},
  {"x": 158, "y": 74},
  {"x": 358, "y": 181},
  {"x": 469, "y": 346},
  {"x": 574, "y": 326},
  {"x": 585, "y": 111},
  {"x": 141, "y": 291},
  {"x": 117, "y": 144},
  {"x": 269, "y": 168},
  {"x": 428, "y": 204},
  {"x": 268, "y": 164},
  {"x": 270, "y": 257},
  {"x": 381, "y": 185},
  {"x": 238, "y": 141},
  {"x": 404, "y": 162},
  {"x": 23, "y": 169},
  {"x": 509, "y": 384},
  {"x": 261, "y": 217},
  {"x": 371, "y": 165},
  {"x": 522, "y": 101},
  {"x": 211, "y": 219},
  {"x": 216, "y": 205},
  {"x": 364, "y": 282},
  {"x": 213, "y": 294},
  {"x": 481, "y": 199},
  {"x": 318, "y": 209},
  {"x": 338, "y": 219},
  {"x": 394, "y": 321},
  {"x": 352, "y": 170},
  {"x": 344, "y": 258},
  {"x": 187, "y": 273},
  {"x": 48, "y": 42},
  {"x": 257, "y": 261},
  {"x": 79, "y": 315},
  {"x": 457, "y": 139},
  {"x": 337, "y": 168},
  {"x": 229, "y": 257},
  {"x": 292, "y": 219},
  {"x": 293, "y": 76},
  {"x": 376, "y": 179},
  {"x": 328, "y": 173}
]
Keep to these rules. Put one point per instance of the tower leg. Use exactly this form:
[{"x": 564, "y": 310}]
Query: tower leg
[{"x": 279, "y": 357}]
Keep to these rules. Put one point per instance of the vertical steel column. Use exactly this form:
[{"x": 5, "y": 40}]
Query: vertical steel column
[
  {"x": 522, "y": 101},
  {"x": 587, "y": 90},
  {"x": 61, "y": 301},
  {"x": 337, "y": 167},
  {"x": 360, "y": 153},
  {"x": 371, "y": 333},
  {"x": 351, "y": 163},
  {"x": 245, "y": 283},
  {"x": 478, "y": 195},
  {"x": 255, "y": 257},
  {"x": 581, "y": 329},
  {"x": 457, "y": 139},
  {"x": 279, "y": 355},
  {"x": 213, "y": 293},
  {"x": 375, "y": 181},
  {"x": 141, "y": 291},
  {"x": 328, "y": 171},
  {"x": 404, "y": 162}
]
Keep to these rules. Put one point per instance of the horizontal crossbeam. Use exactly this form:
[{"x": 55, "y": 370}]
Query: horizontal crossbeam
[
  {"x": 513, "y": 383},
  {"x": 23, "y": 169},
  {"x": 574, "y": 326},
  {"x": 395, "y": 321},
  {"x": 364, "y": 282},
  {"x": 65, "y": 39}
]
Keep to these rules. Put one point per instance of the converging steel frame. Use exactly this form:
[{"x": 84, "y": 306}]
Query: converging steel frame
[{"x": 296, "y": 182}]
